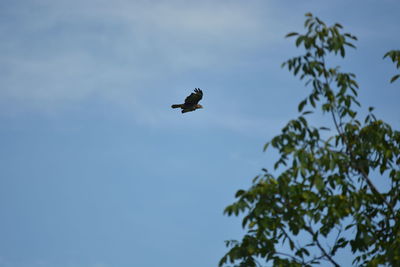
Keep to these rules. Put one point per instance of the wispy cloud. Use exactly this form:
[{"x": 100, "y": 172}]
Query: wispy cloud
[{"x": 58, "y": 53}]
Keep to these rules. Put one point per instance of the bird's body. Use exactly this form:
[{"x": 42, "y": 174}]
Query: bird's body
[{"x": 191, "y": 102}]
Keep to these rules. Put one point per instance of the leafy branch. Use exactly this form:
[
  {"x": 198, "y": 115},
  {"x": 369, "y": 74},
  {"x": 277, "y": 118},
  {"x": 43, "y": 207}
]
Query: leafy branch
[
  {"x": 324, "y": 182},
  {"x": 394, "y": 55}
]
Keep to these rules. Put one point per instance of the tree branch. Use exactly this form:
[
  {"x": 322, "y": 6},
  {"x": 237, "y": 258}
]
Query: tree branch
[
  {"x": 325, "y": 254},
  {"x": 374, "y": 189},
  {"x": 290, "y": 256}
]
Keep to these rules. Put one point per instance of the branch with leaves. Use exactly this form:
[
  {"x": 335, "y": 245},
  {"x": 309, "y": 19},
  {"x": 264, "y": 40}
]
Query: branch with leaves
[
  {"x": 324, "y": 185},
  {"x": 394, "y": 55}
]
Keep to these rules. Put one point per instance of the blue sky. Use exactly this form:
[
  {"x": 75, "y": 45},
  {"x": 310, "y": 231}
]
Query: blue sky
[{"x": 96, "y": 170}]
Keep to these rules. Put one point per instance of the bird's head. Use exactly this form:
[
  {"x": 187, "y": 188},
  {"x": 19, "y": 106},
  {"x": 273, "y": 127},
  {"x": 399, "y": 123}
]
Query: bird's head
[{"x": 199, "y": 106}]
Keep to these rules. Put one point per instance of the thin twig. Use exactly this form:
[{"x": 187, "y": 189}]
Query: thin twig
[
  {"x": 290, "y": 256},
  {"x": 308, "y": 229}
]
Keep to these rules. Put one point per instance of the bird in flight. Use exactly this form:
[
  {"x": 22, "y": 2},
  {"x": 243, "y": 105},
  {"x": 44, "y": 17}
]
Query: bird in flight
[{"x": 191, "y": 102}]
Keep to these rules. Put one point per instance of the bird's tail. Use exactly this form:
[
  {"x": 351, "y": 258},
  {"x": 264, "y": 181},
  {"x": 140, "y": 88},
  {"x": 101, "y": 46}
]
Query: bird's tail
[{"x": 176, "y": 106}]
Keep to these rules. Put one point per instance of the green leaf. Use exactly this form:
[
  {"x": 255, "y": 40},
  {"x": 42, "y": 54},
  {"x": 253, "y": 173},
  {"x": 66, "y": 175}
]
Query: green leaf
[
  {"x": 350, "y": 44},
  {"x": 239, "y": 193},
  {"x": 303, "y": 121},
  {"x": 302, "y": 104},
  {"x": 342, "y": 51},
  {"x": 387, "y": 54},
  {"x": 266, "y": 146},
  {"x": 319, "y": 183},
  {"x": 394, "y": 78},
  {"x": 307, "y": 112},
  {"x": 291, "y": 34},
  {"x": 338, "y": 25},
  {"x": 299, "y": 40},
  {"x": 311, "y": 98}
]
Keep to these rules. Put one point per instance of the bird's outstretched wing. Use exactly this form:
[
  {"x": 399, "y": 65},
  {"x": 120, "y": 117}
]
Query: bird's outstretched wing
[{"x": 194, "y": 98}]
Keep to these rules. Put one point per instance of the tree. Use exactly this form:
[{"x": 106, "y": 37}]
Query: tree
[{"x": 325, "y": 190}]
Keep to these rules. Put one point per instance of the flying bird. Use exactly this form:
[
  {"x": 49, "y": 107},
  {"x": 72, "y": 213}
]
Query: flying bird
[{"x": 191, "y": 102}]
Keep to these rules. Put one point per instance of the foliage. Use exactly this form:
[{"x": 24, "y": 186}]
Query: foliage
[
  {"x": 325, "y": 191},
  {"x": 394, "y": 55}
]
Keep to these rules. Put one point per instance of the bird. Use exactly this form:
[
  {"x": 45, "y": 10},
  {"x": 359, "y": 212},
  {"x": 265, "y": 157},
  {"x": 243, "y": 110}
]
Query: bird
[{"x": 191, "y": 102}]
